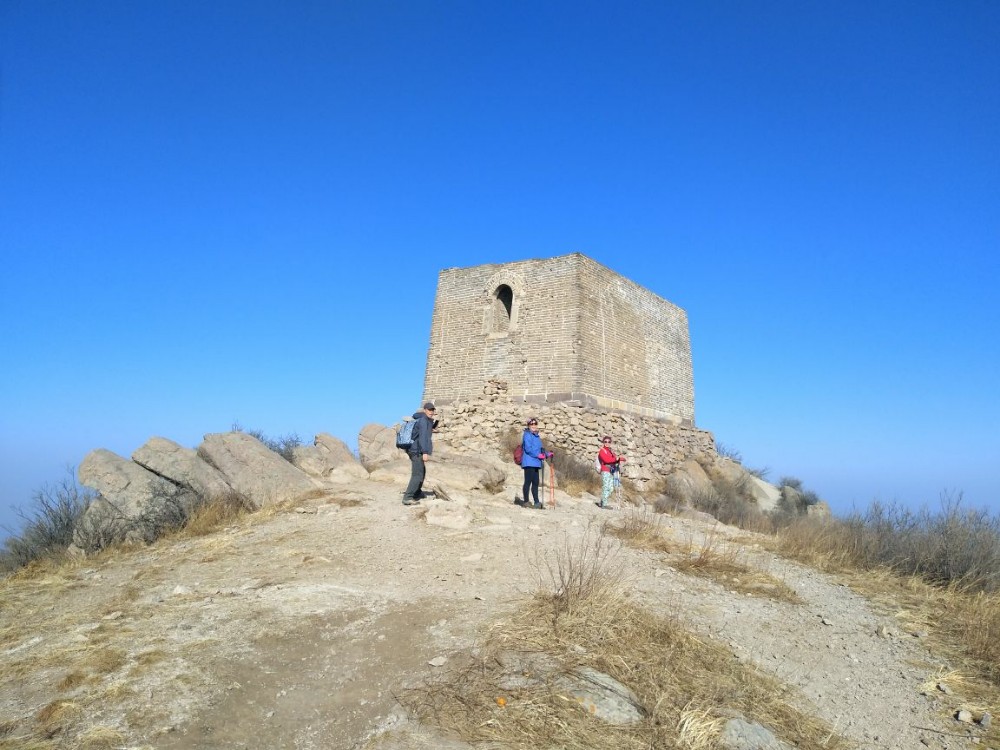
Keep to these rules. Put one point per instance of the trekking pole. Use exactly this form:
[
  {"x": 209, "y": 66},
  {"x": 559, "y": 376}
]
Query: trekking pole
[
  {"x": 618, "y": 487},
  {"x": 552, "y": 484}
]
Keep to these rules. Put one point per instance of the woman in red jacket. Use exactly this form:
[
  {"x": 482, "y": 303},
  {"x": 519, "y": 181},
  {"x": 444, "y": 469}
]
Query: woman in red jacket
[{"x": 609, "y": 467}]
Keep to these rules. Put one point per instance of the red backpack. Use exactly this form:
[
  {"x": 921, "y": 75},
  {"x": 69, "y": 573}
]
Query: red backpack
[{"x": 519, "y": 453}]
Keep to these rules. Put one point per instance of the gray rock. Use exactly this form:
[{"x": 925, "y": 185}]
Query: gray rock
[
  {"x": 335, "y": 448},
  {"x": 253, "y": 469},
  {"x": 689, "y": 480},
  {"x": 181, "y": 466},
  {"x": 791, "y": 498},
  {"x": 377, "y": 445},
  {"x": 985, "y": 720},
  {"x": 135, "y": 505},
  {"x": 964, "y": 716},
  {"x": 602, "y": 696},
  {"x": 765, "y": 493},
  {"x": 312, "y": 460},
  {"x": 739, "y": 734},
  {"x": 324, "y": 457}
]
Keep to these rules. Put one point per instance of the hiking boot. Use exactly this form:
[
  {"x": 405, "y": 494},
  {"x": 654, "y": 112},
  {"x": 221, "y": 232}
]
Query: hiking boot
[
  {"x": 538, "y": 506},
  {"x": 411, "y": 501}
]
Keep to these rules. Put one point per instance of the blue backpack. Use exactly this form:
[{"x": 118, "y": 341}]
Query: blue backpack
[{"x": 405, "y": 435}]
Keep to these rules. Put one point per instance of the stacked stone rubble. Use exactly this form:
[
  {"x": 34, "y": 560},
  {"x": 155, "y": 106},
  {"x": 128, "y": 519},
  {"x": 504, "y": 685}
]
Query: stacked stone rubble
[{"x": 654, "y": 447}]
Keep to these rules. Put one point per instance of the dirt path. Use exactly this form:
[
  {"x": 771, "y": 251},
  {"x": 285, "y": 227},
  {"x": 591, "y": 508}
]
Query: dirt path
[{"x": 298, "y": 631}]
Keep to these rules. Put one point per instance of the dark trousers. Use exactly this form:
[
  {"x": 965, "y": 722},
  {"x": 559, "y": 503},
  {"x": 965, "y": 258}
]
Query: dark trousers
[
  {"x": 417, "y": 473},
  {"x": 530, "y": 482}
]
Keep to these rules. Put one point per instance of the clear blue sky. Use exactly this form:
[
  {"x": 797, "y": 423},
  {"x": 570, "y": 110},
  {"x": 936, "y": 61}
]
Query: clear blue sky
[{"x": 225, "y": 211}]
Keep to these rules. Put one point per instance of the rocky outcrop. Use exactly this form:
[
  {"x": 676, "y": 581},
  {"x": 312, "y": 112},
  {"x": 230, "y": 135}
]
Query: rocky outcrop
[
  {"x": 766, "y": 494},
  {"x": 377, "y": 445},
  {"x": 324, "y": 457},
  {"x": 135, "y": 504},
  {"x": 454, "y": 471},
  {"x": 689, "y": 480},
  {"x": 335, "y": 448},
  {"x": 254, "y": 470},
  {"x": 182, "y": 466}
]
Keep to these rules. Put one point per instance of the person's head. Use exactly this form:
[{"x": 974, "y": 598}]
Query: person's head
[
  {"x": 606, "y": 440},
  {"x": 533, "y": 424},
  {"x": 429, "y": 409}
]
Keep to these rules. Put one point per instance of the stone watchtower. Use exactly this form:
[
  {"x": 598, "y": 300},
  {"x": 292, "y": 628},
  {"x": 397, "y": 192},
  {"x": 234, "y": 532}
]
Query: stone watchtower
[{"x": 560, "y": 330}]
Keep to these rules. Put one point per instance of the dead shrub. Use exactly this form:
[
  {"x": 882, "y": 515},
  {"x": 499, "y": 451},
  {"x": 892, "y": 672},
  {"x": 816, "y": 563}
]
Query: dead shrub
[
  {"x": 284, "y": 445},
  {"x": 48, "y": 526},
  {"x": 589, "y": 569},
  {"x": 642, "y": 529}
]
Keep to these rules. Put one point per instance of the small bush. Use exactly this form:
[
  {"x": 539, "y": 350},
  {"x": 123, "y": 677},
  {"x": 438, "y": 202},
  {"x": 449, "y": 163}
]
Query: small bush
[
  {"x": 283, "y": 445},
  {"x": 587, "y": 570},
  {"x": 725, "y": 451},
  {"x": 48, "y": 525}
]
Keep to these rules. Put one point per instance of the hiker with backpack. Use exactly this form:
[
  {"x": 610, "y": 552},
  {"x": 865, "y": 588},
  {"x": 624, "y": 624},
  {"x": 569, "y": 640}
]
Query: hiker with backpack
[
  {"x": 533, "y": 453},
  {"x": 610, "y": 463},
  {"x": 419, "y": 450}
]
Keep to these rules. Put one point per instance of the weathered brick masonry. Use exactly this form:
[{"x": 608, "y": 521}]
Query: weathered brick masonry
[
  {"x": 569, "y": 341},
  {"x": 560, "y": 330}
]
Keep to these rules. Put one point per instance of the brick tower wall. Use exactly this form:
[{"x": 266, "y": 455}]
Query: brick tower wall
[{"x": 570, "y": 331}]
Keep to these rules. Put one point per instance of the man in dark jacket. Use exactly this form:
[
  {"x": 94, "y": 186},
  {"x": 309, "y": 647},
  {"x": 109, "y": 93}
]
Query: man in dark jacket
[{"x": 420, "y": 450}]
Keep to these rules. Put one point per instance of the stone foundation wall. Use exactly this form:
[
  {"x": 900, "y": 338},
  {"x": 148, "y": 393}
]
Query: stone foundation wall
[{"x": 654, "y": 447}]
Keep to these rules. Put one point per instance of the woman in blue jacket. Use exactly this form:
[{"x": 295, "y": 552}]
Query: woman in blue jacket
[{"x": 531, "y": 461}]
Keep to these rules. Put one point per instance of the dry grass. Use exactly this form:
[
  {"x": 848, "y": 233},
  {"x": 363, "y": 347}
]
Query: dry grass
[
  {"x": 713, "y": 558},
  {"x": 105, "y": 660},
  {"x": 100, "y": 738},
  {"x": 56, "y": 716},
  {"x": 216, "y": 513},
  {"x": 71, "y": 680},
  {"x": 513, "y": 695},
  {"x": 26, "y": 743},
  {"x": 963, "y": 625}
]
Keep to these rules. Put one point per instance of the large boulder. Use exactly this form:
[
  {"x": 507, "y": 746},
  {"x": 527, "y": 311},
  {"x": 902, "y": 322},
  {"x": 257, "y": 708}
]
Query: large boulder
[
  {"x": 135, "y": 505},
  {"x": 791, "y": 499},
  {"x": 689, "y": 480},
  {"x": 325, "y": 456},
  {"x": 181, "y": 466},
  {"x": 336, "y": 449},
  {"x": 766, "y": 494},
  {"x": 377, "y": 445},
  {"x": 312, "y": 460},
  {"x": 732, "y": 472},
  {"x": 253, "y": 469}
]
